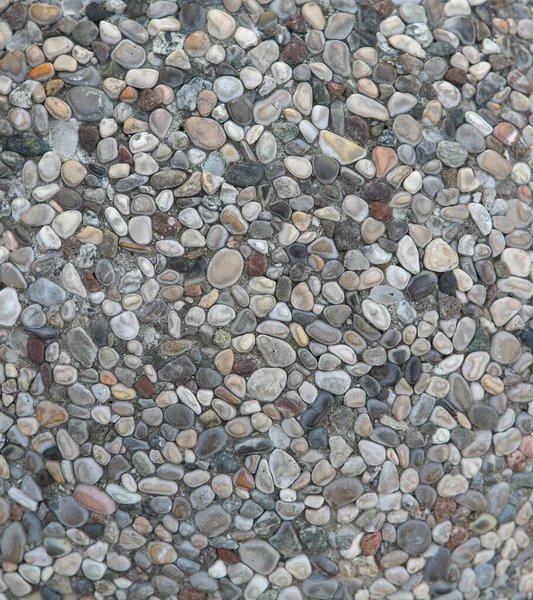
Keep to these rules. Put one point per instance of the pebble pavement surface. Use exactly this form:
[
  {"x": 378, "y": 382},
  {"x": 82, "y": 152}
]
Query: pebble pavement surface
[{"x": 265, "y": 300}]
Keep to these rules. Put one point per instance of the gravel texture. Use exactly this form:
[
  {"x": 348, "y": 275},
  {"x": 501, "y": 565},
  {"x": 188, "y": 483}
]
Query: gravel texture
[{"x": 265, "y": 300}]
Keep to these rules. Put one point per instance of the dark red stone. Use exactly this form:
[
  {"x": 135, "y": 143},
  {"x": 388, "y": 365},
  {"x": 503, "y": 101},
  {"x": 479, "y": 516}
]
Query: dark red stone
[
  {"x": 336, "y": 90},
  {"x": 228, "y": 556},
  {"x": 125, "y": 154},
  {"x": 244, "y": 367},
  {"x": 257, "y": 265},
  {"x": 356, "y": 128},
  {"x": 371, "y": 542},
  {"x": 88, "y": 136},
  {"x": 165, "y": 224},
  {"x": 289, "y": 406},
  {"x": 46, "y": 374},
  {"x": 244, "y": 479},
  {"x": 149, "y": 101},
  {"x": 455, "y": 76},
  {"x": 294, "y": 52},
  {"x": 189, "y": 593},
  {"x": 91, "y": 283},
  {"x": 36, "y": 349},
  {"x": 380, "y": 211},
  {"x": 145, "y": 387},
  {"x": 458, "y": 536}
]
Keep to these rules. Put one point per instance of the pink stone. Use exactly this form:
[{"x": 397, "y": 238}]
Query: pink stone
[{"x": 95, "y": 499}]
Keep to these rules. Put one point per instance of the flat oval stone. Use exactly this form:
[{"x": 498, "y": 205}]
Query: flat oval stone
[
  {"x": 225, "y": 268},
  {"x": 129, "y": 55},
  {"x": 205, "y": 133},
  {"x": 212, "y": 521},
  {"x": 89, "y": 104},
  {"x": 414, "y": 537},
  {"x": 318, "y": 411},
  {"x": 211, "y": 442},
  {"x": 259, "y": 555},
  {"x": 342, "y": 491},
  {"x": 180, "y": 416},
  {"x": 94, "y": 499}
]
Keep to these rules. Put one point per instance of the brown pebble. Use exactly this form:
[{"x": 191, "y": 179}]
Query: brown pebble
[
  {"x": 149, "y": 101},
  {"x": 206, "y": 101},
  {"x": 294, "y": 52},
  {"x": 36, "y": 349},
  {"x": 380, "y": 211},
  {"x": 197, "y": 44},
  {"x": 370, "y": 543},
  {"x": 88, "y": 136},
  {"x": 257, "y": 265},
  {"x": 145, "y": 387},
  {"x": 455, "y": 76}
]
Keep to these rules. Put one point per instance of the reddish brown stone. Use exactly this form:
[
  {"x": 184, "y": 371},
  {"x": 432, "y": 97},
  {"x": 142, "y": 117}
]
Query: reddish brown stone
[
  {"x": 46, "y": 374},
  {"x": 517, "y": 461},
  {"x": 257, "y": 265},
  {"x": 193, "y": 291},
  {"x": 294, "y": 52},
  {"x": 17, "y": 512},
  {"x": 244, "y": 367},
  {"x": 244, "y": 479},
  {"x": 336, "y": 90},
  {"x": 91, "y": 283},
  {"x": 125, "y": 154},
  {"x": 189, "y": 593},
  {"x": 88, "y": 136},
  {"x": 149, "y": 101},
  {"x": 69, "y": 248},
  {"x": 380, "y": 211},
  {"x": 36, "y": 349},
  {"x": 455, "y": 76},
  {"x": 289, "y": 406},
  {"x": 225, "y": 394},
  {"x": 371, "y": 542},
  {"x": 164, "y": 224},
  {"x": 228, "y": 556},
  {"x": 458, "y": 536},
  {"x": 145, "y": 387},
  {"x": 443, "y": 509},
  {"x": 357, "y": 129},
  {"x": 206, "y": 101},
  {"x": 296, "y": 23}
]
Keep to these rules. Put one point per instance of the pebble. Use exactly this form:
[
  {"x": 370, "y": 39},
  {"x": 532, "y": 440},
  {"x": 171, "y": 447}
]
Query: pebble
[{"x": 265, "y": 274}]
